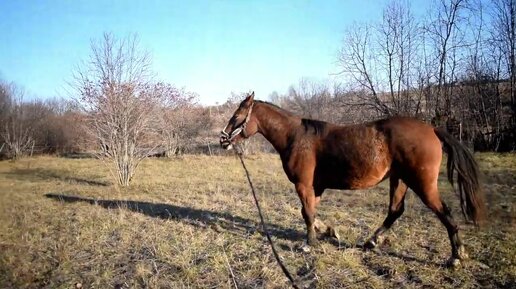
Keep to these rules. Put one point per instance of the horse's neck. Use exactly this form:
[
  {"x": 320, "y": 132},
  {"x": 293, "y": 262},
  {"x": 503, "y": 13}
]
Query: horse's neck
[{"x": 275, "y": 125}]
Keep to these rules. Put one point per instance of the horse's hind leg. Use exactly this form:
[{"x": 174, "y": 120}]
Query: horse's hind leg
[
  {"x": 397, "y": 192},
  {"x": 430, "y": 196}
]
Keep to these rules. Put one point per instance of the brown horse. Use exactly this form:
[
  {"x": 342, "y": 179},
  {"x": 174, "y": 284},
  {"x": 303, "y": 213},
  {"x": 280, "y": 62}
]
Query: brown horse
[{"x": 317, "y": 155}]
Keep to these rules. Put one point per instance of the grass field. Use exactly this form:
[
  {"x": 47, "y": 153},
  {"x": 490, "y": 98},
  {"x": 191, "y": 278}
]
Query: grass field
[{"x": 191, "y": 223}]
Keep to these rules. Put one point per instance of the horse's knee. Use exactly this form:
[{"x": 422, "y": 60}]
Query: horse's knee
[{"x": 308, "y": 200}]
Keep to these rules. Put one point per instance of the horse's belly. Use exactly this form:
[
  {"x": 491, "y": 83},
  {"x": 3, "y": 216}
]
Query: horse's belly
[
  {"x": 345, "y": 178},
  {"x": 347, "y": 183},
  {"x": 355, "y": 162}
]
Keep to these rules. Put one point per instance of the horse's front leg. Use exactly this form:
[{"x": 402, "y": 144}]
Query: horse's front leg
[{"x": 307, "y": 196}]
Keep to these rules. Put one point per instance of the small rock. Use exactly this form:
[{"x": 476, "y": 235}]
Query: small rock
[{"x": 483, "y": 266}]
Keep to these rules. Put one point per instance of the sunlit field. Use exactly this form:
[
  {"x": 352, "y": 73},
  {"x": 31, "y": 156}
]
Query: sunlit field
[{"x": 190, "y": 222}]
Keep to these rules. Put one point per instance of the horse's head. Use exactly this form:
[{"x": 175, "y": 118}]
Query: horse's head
[{"x": 240, "y": 125}]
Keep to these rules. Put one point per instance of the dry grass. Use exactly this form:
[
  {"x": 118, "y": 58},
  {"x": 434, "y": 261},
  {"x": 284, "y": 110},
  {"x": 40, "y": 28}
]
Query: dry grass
[{"x": 191, "y": 223}]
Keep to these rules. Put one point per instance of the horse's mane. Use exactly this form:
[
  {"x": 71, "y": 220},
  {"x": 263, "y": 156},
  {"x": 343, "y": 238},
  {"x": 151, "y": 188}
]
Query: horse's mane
[
  {"x": 269, "y": 103},
  {"x": 276, "y": 107},
  {"x": 316, "y": 127},
  {"x": 313, "y": 126}
]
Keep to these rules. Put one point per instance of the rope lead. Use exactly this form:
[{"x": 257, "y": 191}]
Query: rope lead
[{"x": 264, "y": 225}]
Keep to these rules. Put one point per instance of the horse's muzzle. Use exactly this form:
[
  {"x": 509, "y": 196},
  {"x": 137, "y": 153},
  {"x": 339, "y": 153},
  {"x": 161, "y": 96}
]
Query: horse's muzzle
[{"x": 225, "y": 142}]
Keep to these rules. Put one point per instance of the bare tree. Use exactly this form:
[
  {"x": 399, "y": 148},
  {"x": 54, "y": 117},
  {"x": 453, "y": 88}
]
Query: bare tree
[
  {"x": 503, "y": 37},
  {"x": 357, "y": 59},
  {"x": 380, "y": 61},
  {"x": 446, "y": 35},
  {"x": 398, "y": 44},
  {"x": 122, "y": 103},
  {"x": 16, "y": 130},
  {"x": 311, "y": 99},
  {"x": 447, "y": 68},
  {"x": 5, "y": 98}
]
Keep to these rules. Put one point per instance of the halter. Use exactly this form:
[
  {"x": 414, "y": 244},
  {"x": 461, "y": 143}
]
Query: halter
[{"x": 239, "y": 129}]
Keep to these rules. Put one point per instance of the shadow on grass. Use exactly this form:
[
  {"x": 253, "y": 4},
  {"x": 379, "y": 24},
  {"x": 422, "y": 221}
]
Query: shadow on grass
[
  {"x": 38, "y": 174},
  {"x": 408, "y": 258},
  {"x": 78, "y": 156},
  {"x": 220, "y": 222}
]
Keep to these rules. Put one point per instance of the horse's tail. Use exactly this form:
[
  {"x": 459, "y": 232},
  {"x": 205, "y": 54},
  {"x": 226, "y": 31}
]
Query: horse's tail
[{"x": 460, "y": 159}]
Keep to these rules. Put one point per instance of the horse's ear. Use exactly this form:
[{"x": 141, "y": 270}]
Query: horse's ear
[{"x": 250, "y": 97}]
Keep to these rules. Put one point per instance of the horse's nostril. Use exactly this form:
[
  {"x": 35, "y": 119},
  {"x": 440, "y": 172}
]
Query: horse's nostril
[{"x": 224, "y": 140}]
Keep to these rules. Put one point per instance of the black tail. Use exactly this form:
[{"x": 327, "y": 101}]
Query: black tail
[{"x": 460, "y": 159}]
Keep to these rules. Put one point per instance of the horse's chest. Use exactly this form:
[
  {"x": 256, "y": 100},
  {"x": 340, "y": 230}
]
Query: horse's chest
[{"x": 299, "y": 162}]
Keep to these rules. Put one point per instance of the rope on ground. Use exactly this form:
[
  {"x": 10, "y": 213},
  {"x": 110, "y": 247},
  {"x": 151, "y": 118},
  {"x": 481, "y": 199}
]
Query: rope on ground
[{"x": 264, "y": 225}]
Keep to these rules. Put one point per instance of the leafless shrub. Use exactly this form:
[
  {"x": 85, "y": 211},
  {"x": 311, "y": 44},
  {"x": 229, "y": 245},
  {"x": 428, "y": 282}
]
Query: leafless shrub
[
  {"x": 121, "y": 102},
  {"x": 182, "y": 120},
  {"x": 59, "y": 128}
]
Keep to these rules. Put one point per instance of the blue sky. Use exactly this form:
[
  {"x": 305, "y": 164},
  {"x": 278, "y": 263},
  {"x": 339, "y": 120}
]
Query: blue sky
[{"x": 209, "y": 47}]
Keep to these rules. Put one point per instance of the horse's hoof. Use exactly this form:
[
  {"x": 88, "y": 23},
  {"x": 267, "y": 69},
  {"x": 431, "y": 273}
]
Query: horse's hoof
[
  {"x": 305, "y": 248},
  {"x": 462, "y": 253},
  {"x": 313, "y": 242},
  {"x": 370, "y": 244},
  {"x": 453, "y": 263},
  {"x": 332, "y": 233}
]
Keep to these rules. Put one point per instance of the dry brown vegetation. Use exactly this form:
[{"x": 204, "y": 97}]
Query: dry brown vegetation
[{"x": 189, "y": 222}]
